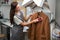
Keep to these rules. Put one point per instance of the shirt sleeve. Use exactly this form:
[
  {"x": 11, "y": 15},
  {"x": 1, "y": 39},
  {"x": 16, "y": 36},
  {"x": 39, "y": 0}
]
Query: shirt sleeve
[{"x": 17, "y": 21}]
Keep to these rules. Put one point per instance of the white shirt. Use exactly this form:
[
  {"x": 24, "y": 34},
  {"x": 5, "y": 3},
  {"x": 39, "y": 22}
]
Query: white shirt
[{"x": 17, "y": 21}]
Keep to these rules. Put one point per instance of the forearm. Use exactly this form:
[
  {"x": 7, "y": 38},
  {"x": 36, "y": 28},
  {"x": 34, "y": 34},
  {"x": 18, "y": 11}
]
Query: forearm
[{"x": 26, "y": 23}]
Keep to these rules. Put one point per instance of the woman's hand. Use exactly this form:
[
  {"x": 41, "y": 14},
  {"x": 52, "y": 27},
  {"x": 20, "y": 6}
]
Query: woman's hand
[{"x": 38, "y": 20}]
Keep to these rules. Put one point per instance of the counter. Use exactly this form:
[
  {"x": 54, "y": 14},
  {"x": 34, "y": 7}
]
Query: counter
[{"x": 5, "y": 27}]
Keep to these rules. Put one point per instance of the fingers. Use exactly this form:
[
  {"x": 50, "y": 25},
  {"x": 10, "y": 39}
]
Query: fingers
[{"x": 40, "y": 18}]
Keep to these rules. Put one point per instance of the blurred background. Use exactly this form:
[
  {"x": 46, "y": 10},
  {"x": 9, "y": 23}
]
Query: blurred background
[{"x": 51, "y": 8}]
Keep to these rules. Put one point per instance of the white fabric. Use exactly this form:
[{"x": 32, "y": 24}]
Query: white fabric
[
  {"x": 26, "y": 2},
  {"x": 17, "y": 21},
  {"x": 39, "y": 2},
  {"x": 25, "y": 28}
]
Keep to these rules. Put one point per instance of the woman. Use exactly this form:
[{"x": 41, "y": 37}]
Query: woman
[{"x": 17, "y": 19}]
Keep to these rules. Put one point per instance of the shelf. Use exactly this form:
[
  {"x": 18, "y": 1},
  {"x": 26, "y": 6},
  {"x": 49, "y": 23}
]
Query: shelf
[{"x": 5, "y": 4}]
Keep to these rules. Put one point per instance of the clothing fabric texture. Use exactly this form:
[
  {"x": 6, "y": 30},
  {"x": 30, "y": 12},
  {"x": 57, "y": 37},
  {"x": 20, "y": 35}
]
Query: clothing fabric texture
[
  {"x": 17, "y": 30},
  {"x": 39, "y": 30}
]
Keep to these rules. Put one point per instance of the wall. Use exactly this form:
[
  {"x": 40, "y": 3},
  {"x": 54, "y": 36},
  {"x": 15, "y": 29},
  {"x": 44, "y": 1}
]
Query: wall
[
  {"x": 58, "y": 11},
  {"x": 52, "y": 5},
  {"x": 5, "y": 9}
]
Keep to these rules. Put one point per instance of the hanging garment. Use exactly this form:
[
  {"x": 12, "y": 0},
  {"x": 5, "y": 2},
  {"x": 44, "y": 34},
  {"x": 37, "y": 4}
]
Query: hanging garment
[{"x": 39, "y": 30}]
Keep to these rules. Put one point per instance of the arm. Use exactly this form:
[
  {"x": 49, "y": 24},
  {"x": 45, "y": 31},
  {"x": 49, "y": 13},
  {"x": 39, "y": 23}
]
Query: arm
[
  {"x": 33, "y": 21},
  {"x": 26, "y": 23},
  {"x": 26, "y": 18},
  {"x": 19, "y": 22}
]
